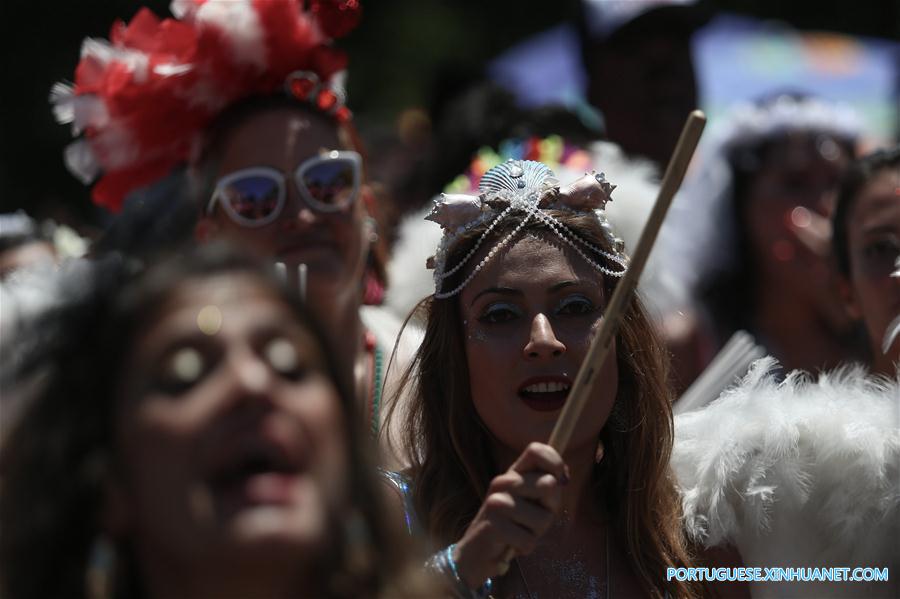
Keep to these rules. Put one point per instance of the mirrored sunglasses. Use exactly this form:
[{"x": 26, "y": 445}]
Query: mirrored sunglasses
[{"x": 255, "y": 196}]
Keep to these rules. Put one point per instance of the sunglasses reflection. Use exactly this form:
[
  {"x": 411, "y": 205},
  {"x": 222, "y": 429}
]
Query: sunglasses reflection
[{"x": 256, "y": 196}]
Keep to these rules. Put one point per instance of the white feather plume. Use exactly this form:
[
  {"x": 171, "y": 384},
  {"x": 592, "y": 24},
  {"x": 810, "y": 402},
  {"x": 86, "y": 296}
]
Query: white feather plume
[
  {"x": 410, "y": 282},
  {"x": 61, "y": 97},
  {"x": 101, "y": 51},
  {"x": 81, "y": 161},
  {"x": 241, "y": 21},
  {"x": 799, "y": 473},
  {"x": 29, "y": 293}
]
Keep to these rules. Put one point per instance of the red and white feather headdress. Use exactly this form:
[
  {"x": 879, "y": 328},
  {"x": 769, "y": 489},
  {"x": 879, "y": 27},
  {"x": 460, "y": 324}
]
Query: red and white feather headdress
[{"x": 141, "y": 100}]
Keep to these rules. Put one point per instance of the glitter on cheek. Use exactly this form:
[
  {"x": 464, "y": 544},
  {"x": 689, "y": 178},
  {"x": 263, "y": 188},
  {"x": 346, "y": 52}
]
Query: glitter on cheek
[{"x": 475, "y": 332}]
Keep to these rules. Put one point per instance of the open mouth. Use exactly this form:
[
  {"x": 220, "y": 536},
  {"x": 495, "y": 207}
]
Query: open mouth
[
  {"x": 545, "y": 394},
  {"x": 261, "y": 475}
]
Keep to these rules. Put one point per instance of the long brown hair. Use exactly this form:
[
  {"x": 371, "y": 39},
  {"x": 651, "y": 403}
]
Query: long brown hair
[{"x": 449, "y": 446}]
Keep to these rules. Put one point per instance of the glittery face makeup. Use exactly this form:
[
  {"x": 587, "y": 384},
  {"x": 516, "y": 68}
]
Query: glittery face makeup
[
  {"x": 476, "y": 333},
  {"x": 530, "y": 315},
  {"x": 229, "y": 428}
]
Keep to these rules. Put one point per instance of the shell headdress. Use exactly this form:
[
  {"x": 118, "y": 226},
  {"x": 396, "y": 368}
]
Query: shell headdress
[{"x": 523, "y": 189}]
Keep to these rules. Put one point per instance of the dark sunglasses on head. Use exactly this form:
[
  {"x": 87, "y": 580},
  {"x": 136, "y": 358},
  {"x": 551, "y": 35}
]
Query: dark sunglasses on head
[{"x": 255, "y": 196}]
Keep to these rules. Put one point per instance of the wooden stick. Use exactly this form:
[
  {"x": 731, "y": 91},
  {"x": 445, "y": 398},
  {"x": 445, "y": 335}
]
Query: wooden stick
[{"x": 583, "y": 387}]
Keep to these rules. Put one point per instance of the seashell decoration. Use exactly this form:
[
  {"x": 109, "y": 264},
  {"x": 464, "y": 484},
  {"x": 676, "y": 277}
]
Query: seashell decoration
[
  {"x": 515, "y": 176},
  {"x": 454, "y": 210},
  {"x": 590, "y": 192},
  {"x": 529, "y": 187}
]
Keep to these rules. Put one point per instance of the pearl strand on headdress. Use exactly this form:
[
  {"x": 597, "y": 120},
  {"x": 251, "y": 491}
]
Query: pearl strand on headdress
[
  {"x": 491, "y": 253},
  {"x": 557, "y": 227},
  {"x": 521, "y": 184},
  {"x": 553, "y": 223},
  {"x": 474, "y": 249}
]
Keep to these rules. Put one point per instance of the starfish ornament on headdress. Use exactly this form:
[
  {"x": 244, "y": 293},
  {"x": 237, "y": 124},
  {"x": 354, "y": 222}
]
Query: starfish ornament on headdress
[
  {"x": 141, "y": 100},
  {"x": 523, "y": 189}
]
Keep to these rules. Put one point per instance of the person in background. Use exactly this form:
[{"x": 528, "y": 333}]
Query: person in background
[
  {"x": 816, "y": 456},
  {"x": 229, "y": 121},
  {"x": 867, "y": 248},
  {"x": 640, "y": 72},
  {"x": 22, "y": 244},
  {"x": 31, "y": 256},
  {"x": 748, "y": 237}
]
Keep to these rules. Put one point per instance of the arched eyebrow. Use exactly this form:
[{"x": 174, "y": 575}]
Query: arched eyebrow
[
  {"x": 575, "y": 283},
  {"x": 498, "y": 290},
  {"x": 563, "y": 285},
  {"x": 518, "y": 292}
]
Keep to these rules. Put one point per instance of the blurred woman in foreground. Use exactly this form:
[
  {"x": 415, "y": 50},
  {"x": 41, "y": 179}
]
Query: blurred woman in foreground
[{"x": 192, "y": 437}]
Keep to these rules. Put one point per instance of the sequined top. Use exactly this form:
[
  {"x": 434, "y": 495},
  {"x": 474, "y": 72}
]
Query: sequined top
[{"x": 403, "y": 484}]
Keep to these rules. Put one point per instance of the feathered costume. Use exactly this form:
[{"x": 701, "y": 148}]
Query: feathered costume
[{"x": 797, "y": 473}]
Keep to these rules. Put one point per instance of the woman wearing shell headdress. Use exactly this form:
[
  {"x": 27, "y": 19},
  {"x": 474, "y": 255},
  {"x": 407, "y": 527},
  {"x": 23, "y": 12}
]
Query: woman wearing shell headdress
[{"x": 522, "y": 275}]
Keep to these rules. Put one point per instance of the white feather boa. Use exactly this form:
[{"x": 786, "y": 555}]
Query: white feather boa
[{"x": 799, "y": 473}]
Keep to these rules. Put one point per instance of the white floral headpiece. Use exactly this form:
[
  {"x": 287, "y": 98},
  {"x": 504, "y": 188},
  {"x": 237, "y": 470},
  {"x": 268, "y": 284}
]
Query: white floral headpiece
[
  {"x": 525, "y": 189},
  {"x": 751, "y": 123}
]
